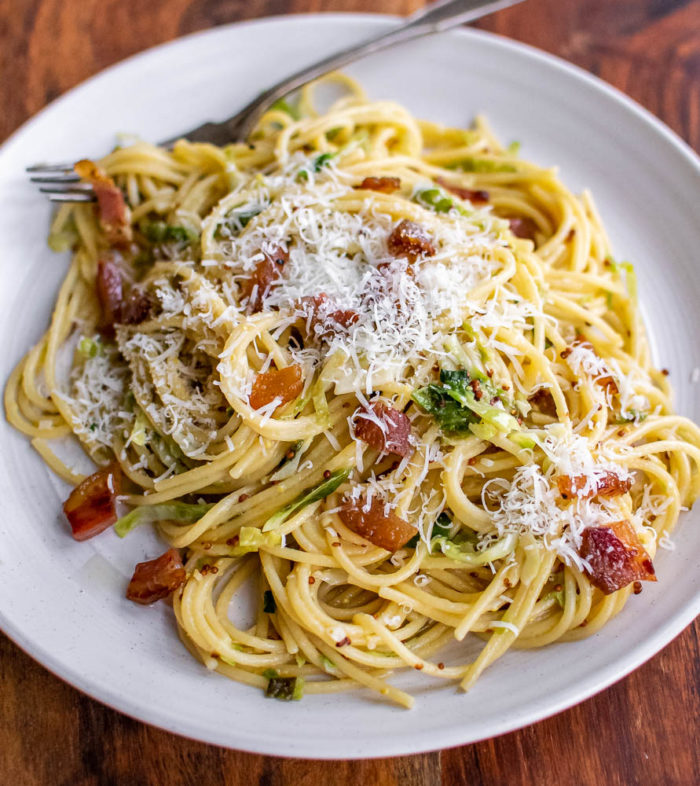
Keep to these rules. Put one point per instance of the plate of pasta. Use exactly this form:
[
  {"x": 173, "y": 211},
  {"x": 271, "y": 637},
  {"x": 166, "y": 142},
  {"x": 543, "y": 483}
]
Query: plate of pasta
[{"x": 361, "y": 430}]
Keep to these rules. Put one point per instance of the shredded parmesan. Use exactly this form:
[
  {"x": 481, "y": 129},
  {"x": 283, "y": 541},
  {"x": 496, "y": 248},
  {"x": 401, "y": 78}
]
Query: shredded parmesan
[
  {"x": 582, "y": 359},
  {"x": 531, "y": 504},
  {"x": 402, "y": 311},
  {"x": 506, "y": 626},
  {"x": 97, "y": 393}
]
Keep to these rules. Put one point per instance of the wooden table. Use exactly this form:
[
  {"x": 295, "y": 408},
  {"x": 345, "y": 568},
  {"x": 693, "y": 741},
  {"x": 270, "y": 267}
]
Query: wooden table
[{"x": 641, "y": 731}]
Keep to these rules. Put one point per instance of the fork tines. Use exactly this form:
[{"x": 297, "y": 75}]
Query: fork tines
[
  {"x": 61, "y": 183},
  {"x": 69, "y": 196},
  {"x": 50, "y": 168}
]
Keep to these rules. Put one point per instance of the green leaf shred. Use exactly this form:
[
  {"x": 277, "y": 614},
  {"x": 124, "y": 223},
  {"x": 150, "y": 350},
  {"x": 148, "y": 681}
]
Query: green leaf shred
[
  {"x": 167, "y": 511},
  {"x": 307, "y": 497}
]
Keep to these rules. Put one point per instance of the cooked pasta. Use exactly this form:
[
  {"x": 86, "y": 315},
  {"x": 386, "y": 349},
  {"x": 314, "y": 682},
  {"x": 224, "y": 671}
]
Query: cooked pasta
[{"x": 384, "y": 374}]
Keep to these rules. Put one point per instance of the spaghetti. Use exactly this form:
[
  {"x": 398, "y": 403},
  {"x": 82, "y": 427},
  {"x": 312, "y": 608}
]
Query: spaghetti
[{"x": 384, "y": 372}]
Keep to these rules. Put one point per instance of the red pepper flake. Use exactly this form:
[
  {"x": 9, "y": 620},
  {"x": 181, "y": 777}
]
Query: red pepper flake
[
  {"x": 441, "y": 665},
  {"x": 343, "y": 642},
  {"x": 243, "y": 497},
  {"x": 327, "y": 473},
  {"x": 418, "y": 666},
  {"x": 665, "y": 372},
  {"x": 637, "y": 587},
  {"x": 232, "y": 541},
  {"x": 312, "y": 580}
]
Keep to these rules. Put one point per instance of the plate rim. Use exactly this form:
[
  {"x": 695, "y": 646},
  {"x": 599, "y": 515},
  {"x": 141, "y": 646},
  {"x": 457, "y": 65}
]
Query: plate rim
[{"x": 429, "y": 740}]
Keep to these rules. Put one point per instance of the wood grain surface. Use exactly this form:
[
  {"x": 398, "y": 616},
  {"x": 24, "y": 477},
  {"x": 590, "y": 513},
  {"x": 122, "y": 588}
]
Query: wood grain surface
[{"x": 643, "y": 730}]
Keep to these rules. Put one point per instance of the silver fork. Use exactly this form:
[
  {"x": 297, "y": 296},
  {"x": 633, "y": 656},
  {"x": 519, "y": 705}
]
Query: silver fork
[{"x": 62, "y": 184}]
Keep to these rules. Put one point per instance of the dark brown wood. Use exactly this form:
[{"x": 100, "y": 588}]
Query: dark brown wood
[{"x": 642, "y": 730}]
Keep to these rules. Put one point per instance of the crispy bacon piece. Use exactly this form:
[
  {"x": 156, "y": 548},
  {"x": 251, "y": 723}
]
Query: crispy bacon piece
[
  {"x": 115, "y": 217},
  {"x": 91, "y": 506},
  {"x": 542, "y": 399},
  {"x": 479, "y": 197},
  {"x": 266, "y": 272},
  {"x": 136, "y": 308},
  {"x": 387, "y": 531},
  {"x": 325, "y": 318},
  {"x": 386, "y": 185},
  {"x": 157, "y": 578},
  {"x": 609, "y": 484},
  {"x": 616, "y": 556},
  {"x": 410, "y": 240},
  {"x": 116, "y": 307},
  {"x": 393, "y": 436},
  {"x": 524, "y": 227},
  {"x": 285, "y": 384},
  {"x": 110, "y": 291}
]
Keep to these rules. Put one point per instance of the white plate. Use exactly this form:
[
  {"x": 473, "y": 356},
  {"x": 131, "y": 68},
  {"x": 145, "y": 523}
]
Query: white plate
[{"x": 63, "y": 601}]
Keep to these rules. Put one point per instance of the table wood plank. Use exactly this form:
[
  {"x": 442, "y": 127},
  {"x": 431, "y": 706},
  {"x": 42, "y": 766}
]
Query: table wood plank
[{"x": 642, "y": 730}]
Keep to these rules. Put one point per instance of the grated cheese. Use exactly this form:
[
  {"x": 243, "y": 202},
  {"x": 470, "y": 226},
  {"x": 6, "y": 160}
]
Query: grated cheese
[
  {"x": 402, "y": 313},
  {"x": 96, "y": 399},
  {"x": 531, "y": 505},
  {"x": 583, "y": 359},
  {"x": 506, "y": 626}
]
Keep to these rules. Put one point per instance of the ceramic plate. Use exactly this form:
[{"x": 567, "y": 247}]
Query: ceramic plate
[{"x": 63, "y": 602}]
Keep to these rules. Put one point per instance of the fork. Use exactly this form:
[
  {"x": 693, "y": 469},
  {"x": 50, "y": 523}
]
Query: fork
[{"x": 62, "y": 184}]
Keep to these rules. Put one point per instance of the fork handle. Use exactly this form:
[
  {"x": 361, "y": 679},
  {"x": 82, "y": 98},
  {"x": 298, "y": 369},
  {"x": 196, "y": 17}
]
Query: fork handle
[{"x": 435, "y": 18}]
